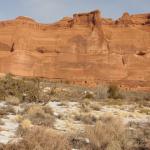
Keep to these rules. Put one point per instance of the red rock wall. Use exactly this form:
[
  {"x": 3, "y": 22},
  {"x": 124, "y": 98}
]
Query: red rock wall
[{"x": 84, "y": 49}]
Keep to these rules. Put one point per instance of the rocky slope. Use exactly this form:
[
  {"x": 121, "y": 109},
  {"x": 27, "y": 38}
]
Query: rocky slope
[{"x": 86, "y": 49}]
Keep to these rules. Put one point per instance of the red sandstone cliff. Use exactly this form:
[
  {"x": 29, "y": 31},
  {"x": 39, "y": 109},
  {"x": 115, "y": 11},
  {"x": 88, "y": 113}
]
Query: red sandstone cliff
[{"x": 84, "y": 49}]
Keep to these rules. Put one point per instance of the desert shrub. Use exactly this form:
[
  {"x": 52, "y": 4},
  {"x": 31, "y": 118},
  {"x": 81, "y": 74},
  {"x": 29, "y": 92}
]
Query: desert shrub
[
  {"x": 48, "y": 110},
  {"x": 22, "y": 89},
  {"x": 140, "y": 135},
  {"x": 2, "y": 91},
  {"x": 53, "y": 91},
  {"x": 10, "y": 109},
  {"x": 95, "y": 106},
  {"x": 19, "y": 118},
  {"x": 86, "y": 102},
  {"x": 6, "y": 110},
  {"x": 145, "y": 111},
  {"x": 40, "y": 115},
  {"x": 11, "y": 86},
  {"x": 78, "y": 142},
  {"x": 85, "y": 107},
  {"x": 85, "y": 118},
  {"x": 137, "y": 96},
  {"x": 102, "y": 91},
  {"x": 39, "y": 138},
  {"x": 88, "y": 95},
  {"x": 31, "y": 92},
  {"x": 3, "y": 112},
  {"x": 113, "y": 92},
  {"x": 109, "y": 134},
  {"x": 112, "y": 102},
  {"x": 12, "y": 100},
  {"x": 24, "y": 125}
]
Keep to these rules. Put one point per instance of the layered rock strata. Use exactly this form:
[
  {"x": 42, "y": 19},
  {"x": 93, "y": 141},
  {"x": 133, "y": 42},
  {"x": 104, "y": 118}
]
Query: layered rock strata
[{"x": 86, "y": 49}]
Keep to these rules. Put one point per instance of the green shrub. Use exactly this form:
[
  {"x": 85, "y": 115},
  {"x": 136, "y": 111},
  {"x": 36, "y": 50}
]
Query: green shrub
[{"x": 22, "y": 89}]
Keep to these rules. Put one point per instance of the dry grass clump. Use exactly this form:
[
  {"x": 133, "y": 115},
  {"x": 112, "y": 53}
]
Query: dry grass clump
[
  {"x": 1, "y": 122},
  {"x": 85, "y": 105},
  {"x": 6, "y": 110},
  {"x": 140, "y": 135},
  {"x": 63, "y": 103},
  {"x": 95, "y": 106},
  {"x": 89, "y": 95},
  {"x": 48, "y": 109},
  {"x": 86, "y": 102},
  {"x": 137, "y": 96},
  {"x": 86, "y": 118},
  {"x": 145, "y": 111},
  {"x": 22, "y": 89},
  {"x": 111, "y": 102},
  {"x": 108, "y": 135},
  {"x": 52, "y": 91},
  {"x": 85, "y": 108},
  {"x": 40, "y": 115},
  {"x": 114, "y": 92},
  {"x": 10, "y": 109},
  {"x": 39, "y": 138},
  {"x": 34, "y": 109},
  {"x": 19, "y": 118},
  {"x": 46, "y": 93},
  {"x": 12, "y": 100},
  {"x": 26, "y": 124},
  {"x": 102, "y": 91},
  {"x": 3, "y": 112}
]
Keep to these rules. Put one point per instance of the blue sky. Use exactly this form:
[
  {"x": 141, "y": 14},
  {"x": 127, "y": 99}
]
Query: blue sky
[{"x": 47, "y": 11}]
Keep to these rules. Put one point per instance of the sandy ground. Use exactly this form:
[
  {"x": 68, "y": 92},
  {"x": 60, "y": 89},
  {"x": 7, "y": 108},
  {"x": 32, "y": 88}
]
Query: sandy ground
[{"x": 65, "y": 113}]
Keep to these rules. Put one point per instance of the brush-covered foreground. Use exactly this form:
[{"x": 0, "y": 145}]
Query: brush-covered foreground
[{"x": 37, "y": 114}]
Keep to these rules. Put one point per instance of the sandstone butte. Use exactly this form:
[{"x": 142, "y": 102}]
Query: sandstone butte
[{"x": 86, "y": 49}]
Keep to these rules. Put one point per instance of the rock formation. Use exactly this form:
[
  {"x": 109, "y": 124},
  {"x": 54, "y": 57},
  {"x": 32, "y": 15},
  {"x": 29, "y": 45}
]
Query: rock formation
[{"x": 85, "y": 49}]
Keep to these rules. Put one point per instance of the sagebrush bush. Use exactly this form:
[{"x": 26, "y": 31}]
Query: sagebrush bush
[
  {"x": 138, "y": 96},
  {"x": 12, "y": 100},
  {"x": 7, "y": 110},
  {"x": 85, "y": 118},
  {"x": 109, "y": 134},
  {"x": 40, "y": 115},
  {"x": 22, "y": 89},
  {"x": 88, "y": 95},
  {"x": 39, "y": 138},
  {"x": 114, "y": 92}
]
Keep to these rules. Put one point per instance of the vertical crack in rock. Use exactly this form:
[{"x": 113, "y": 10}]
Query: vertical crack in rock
[{"x": 12, "y": 48}]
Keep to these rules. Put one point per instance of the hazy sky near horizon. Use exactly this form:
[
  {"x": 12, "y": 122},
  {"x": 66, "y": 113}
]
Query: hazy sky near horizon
[{"x": 47, "y": 11}]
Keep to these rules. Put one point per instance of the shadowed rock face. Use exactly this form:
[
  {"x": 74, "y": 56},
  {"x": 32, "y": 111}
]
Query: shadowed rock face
[{"x": 85, "y": 49}]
